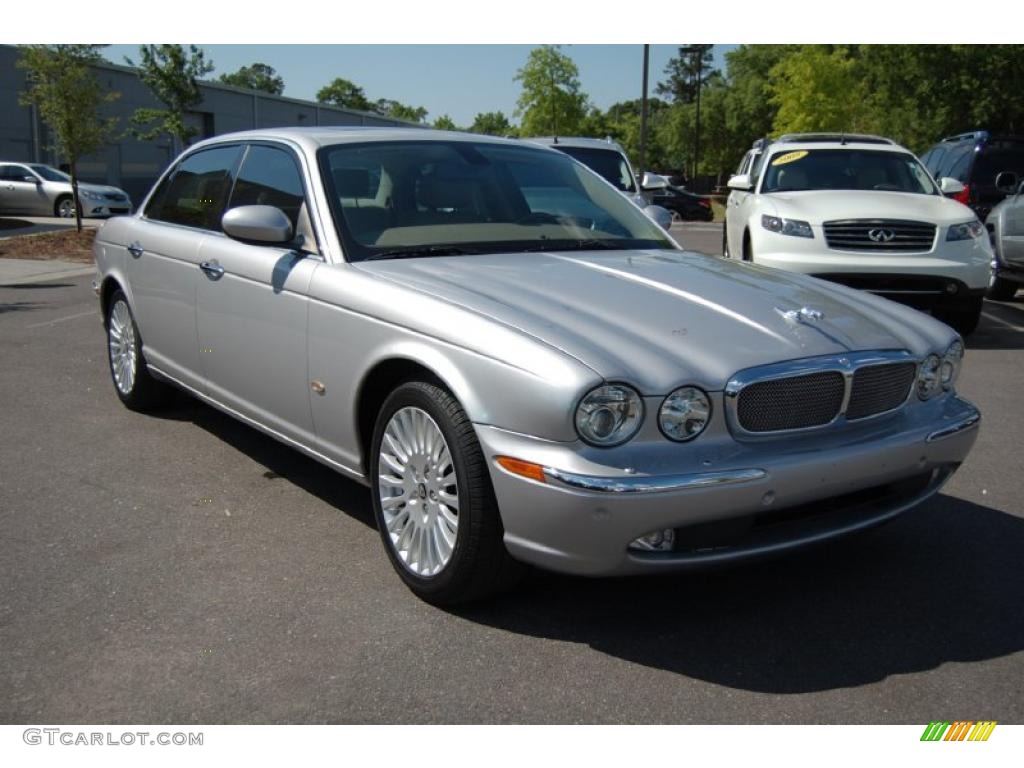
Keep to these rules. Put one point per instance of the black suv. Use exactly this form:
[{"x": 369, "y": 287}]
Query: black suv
[{"x": 975, "y": 159}]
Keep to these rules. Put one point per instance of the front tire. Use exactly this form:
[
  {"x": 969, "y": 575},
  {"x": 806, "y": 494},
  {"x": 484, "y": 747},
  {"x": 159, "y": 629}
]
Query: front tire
[
  {"x": 963, "y": 316},
  {"x": 433, "y": 499},
  {"x": 725, "y": 239},
  {"x": 134, "y": 385},
  {"x": 64, "y": 207},
  {"x": 1001, "y": 289},
  {"x": 748, "y": 249}
]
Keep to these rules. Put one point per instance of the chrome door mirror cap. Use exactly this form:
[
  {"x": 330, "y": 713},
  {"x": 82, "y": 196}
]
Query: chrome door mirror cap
[
  {"x": 261, "y": 224},
  {"x": 660, "y": 216},
  {"x": 653, "y": 181},
  {"x": 741, "y": 182},
  {"x": 950, "y": 186}
]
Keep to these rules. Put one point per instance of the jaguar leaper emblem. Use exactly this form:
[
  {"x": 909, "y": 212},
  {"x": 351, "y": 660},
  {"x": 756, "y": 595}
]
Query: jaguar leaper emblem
[{"x": 804, "y": 315}]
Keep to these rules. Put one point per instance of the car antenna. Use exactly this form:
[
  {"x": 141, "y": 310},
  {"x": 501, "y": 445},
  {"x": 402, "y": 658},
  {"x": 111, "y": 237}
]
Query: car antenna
[
  {"x": 842, "y": 138},
  {"x": 555, "y": 140}
]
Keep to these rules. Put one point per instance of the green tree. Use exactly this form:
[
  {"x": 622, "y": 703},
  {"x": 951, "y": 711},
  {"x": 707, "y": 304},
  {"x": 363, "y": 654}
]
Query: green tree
[
  {"x": 344, "y": 93},
  {"x": 492, "y": 124},
  {"x": 256, "y": 77},
  {"x": 551, "y": 101},
  {"x": 445, "y": 123},
  {"x": 685, "y": 72},
  {"x": 172, "y": 74},
  {"x": 61, "y": 85},
  {"x": 819, "y": 88},
  {"x": 400, "y": 111}
]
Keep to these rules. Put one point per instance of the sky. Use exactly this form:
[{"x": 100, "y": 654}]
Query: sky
[{"x": 457, "y": 80}]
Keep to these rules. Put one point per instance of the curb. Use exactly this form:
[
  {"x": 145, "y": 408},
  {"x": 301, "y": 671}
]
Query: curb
[{"x": 45, "y": 277}]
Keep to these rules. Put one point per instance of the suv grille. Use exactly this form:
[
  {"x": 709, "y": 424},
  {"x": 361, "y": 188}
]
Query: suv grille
[
  {"x": 881, "y": 235},
  {"x": 797, "y": 402},
  {"x": 879, "y": 388}
]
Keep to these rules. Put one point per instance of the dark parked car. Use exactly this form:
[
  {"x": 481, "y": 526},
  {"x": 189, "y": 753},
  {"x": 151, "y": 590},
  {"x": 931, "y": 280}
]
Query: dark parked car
[
  {"x": 975, "y": 159},
  {"x": 688, "y": 206}
]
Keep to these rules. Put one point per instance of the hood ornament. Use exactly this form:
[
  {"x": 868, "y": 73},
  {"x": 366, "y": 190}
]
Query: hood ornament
[{"x": 803, "y": 315}]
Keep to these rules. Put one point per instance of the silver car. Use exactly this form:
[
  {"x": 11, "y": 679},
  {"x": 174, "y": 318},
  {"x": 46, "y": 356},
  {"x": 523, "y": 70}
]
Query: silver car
[
  {"x": 31, "y": 189},
  {"x": 1006, "y": 228},
  {"x": 520, "y": 365}
]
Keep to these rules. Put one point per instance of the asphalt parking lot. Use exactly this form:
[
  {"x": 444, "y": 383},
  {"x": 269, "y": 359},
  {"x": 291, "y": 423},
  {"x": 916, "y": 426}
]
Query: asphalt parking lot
[{"x": 184, "y": 568}]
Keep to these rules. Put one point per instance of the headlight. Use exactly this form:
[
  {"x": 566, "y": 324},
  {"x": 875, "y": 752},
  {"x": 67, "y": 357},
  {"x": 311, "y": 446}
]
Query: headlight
[
  {"x": 684, "y": 414},
  {"x": 90, "y": 195},
  {"x": 966, "y": 231},
  {"x": 609, "y": 415},
  {"x": 949, "y": 371},
  {"x": 792, "y": 227},
  {"x": 928, "y": 383}
]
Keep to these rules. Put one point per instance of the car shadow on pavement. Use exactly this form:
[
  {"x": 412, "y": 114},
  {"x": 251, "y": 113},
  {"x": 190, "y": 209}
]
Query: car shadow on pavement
[
  {"x": 945, "y": 583},
  {"x": 19, "y": 306},
  {"x": 281, "y": 462}
]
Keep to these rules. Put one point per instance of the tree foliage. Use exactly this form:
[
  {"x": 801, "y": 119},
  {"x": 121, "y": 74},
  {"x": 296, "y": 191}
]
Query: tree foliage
[
  {"x": 445, "y": 123},
  {"x": 400, "y": 111},
  {"x": 492, "y": 124},
  {"x": 344, "y": 93},
  {"x": 62, "y": 86},
  {"x": 172, "y": 74},
  {"x": 256, "y": 77},
  {"x": 686, "y": 71},
  {"x": 551, "y": 101}
]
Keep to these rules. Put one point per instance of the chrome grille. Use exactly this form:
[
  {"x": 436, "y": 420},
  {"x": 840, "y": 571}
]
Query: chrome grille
[
  {"x": 115, "y": 196},
  {"x": 879, "y": 388},
  {"x": 795, "y": 402},
  {"x": 879, "y": 235}
]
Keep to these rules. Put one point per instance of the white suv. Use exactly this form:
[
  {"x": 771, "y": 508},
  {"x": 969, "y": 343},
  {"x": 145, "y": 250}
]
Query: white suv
[{"x": 864, "y": 212}]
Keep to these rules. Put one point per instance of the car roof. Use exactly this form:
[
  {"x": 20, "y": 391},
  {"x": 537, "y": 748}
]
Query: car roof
[
  {"x": 575, "y": 141},
  {"x": 849, "y": 142},
  {"x": 313, "y": 138}
]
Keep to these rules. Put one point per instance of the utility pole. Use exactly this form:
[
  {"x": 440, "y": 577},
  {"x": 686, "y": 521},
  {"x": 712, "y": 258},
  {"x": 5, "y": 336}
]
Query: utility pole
[{"x": 643, "y": 113}]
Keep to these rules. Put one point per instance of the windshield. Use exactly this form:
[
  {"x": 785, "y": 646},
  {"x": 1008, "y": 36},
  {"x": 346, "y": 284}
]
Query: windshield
[
  {"x": 50, "y": 174},
  {"x": 863, "y": 169},
  {"x": 609, "y": 164},
  {"x": 423, "y": 198}
]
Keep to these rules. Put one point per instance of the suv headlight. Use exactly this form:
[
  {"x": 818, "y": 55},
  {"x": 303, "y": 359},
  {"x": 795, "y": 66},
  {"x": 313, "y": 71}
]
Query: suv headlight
[
  {"x": 684, "y": 414},
  {"x": 966, "y": 231},
  {"x": 609, "y": 415},
  {"x": 793, "y": 227},
  {"x": 952, "y": 361}
]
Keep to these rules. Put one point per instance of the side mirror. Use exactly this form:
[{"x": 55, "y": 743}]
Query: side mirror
[
  {"x": 1007, "y": 182},
  {"x": 653, "y": 181},
  {"x": 950, "y": 186},
  {"x": 31, "y": 179},
  {"x": 659, "y": 215},
  {"x": 258, "y": 224},
  {"x": 741, "y": 183}
]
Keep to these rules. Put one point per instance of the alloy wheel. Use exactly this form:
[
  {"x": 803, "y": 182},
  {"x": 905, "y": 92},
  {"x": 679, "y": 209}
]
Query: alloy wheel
[
  {"x": 418, "y": 492},
  {"x": 123, "y": 352}
]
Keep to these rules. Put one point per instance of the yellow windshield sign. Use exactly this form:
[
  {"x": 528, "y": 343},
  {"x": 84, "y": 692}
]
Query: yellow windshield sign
[{"x": 790, "y": 157}]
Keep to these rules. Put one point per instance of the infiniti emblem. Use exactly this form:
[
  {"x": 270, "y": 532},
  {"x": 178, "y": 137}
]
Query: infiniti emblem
[
  {"x": 881, "y": 235},
  {"x": 804, "y": 315}
]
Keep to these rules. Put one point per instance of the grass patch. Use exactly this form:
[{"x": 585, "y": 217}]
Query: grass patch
[{"x": 64, "y": 246}]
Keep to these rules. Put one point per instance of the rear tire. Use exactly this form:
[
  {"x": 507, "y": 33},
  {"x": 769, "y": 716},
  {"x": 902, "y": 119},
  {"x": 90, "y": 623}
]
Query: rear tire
[
  {"x": 134, "y": 385},
  {"x": 1001, "y": 289},
  {"x": 433, "y": 500},
  {"x": 963, "y": 316}
]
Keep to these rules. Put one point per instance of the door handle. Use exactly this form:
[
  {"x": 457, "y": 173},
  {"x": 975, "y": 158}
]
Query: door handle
[
  {"x": 212, "y": 270},
  {"x": 135, "y": 249}
]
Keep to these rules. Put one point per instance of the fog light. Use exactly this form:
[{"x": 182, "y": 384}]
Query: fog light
[{"x": 656, "y": 541}]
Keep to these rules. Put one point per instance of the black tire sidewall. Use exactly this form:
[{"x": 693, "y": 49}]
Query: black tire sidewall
[{"x": 453, "y": 577}]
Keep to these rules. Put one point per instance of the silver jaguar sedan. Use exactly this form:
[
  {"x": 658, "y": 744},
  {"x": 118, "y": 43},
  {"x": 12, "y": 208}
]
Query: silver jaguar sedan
[{"x": 520, "y": 364}]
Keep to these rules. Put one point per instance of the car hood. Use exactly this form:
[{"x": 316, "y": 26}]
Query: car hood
[
  {"x": 818, "y": 206},
  {"x": 101, "y": 188},
  {"x": 661, "y": 318}
]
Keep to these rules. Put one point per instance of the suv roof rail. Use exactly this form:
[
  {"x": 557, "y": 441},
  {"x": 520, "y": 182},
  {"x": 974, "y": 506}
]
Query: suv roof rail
[
  {"x": 969, "y": 136},
  {"x": 843, "y": 138}
]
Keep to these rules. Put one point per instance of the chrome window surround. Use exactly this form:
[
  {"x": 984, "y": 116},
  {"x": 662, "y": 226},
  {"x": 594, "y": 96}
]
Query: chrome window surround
[{"x": 846, "y": 364}]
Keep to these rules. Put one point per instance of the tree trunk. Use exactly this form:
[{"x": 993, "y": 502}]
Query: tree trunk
[{"x": 74, "y": 193}]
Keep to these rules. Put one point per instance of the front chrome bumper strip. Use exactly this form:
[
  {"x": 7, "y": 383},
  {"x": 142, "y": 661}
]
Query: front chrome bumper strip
[
  {"x": 967, "y": 422},
  {"x": 660, "y": 484}
]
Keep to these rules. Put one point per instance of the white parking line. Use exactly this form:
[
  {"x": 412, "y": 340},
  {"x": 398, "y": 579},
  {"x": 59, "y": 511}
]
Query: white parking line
[
  {"x": 62, "y": 319},
  {"x": 1004, "y": 323}
]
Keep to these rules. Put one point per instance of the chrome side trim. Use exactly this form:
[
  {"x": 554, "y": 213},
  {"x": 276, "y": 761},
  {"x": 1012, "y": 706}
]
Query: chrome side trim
[
  {"x": 655, "y": 484},
  {"x": 967, "y": 422},
  {"x": 847, "y": 365}
]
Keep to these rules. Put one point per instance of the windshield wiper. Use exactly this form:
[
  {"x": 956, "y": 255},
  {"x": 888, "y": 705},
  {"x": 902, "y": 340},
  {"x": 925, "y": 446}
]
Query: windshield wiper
[
  {"x": 577, "y": 245},
  {"x": 416, "y": 252}
]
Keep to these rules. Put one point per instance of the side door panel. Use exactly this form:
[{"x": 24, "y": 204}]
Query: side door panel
[{"x": 1013, "y": 233}]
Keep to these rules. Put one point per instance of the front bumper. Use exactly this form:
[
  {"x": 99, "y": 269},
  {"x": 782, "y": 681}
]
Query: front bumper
[
  {"x": 100, "y": 208},
  {"x": 753, "y": 500}
]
